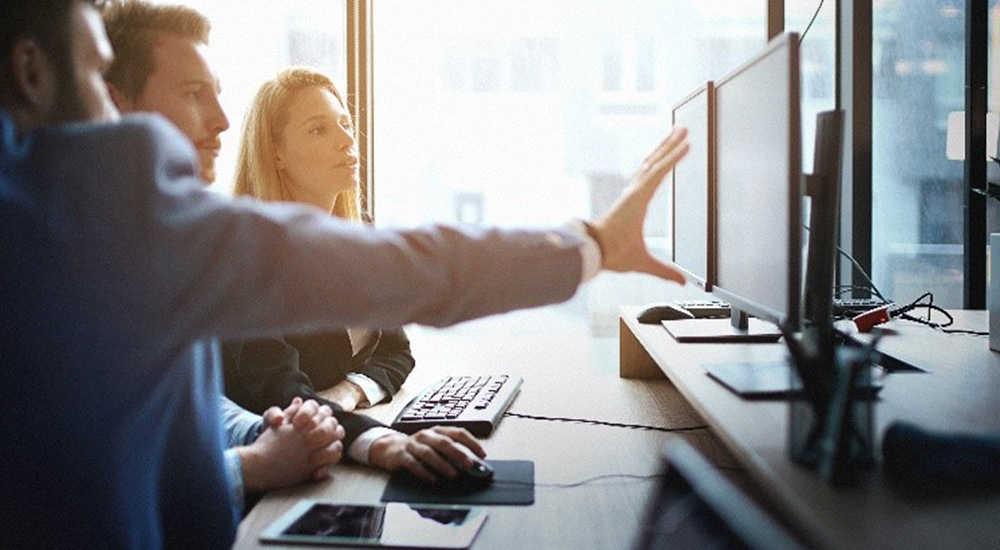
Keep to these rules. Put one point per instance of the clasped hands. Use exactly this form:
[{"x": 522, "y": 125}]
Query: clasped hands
[{"x": 303, "y": 440}]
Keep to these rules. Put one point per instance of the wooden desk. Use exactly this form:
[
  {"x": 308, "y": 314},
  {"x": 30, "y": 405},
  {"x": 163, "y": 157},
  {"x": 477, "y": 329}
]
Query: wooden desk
[
  {"x": 601, "y": 515},
  {"x": 960, "y": 393}
]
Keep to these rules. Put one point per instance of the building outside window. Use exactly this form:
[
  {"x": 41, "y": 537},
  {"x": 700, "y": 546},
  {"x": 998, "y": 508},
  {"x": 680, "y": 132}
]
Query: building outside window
[{"x": 529, "y": 113}]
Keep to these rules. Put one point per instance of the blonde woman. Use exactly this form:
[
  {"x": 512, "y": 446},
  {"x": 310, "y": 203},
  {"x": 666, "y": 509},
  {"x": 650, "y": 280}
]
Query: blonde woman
[{"x": 298, "y": 145}]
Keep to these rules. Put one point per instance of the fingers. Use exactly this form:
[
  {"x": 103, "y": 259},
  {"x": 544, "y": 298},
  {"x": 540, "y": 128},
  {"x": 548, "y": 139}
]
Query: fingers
[
  {"x": 321, "y": 474},
  {"x": 463, "y": 436},
  {"x": 427, "y": 447},
  {"x": 331, "y": 454},
  {"x": 305, "y": 419},
  {"x": 669, "y": 143},
  {"x": 292, "y": 408},
  {"x": 418, "y": 468},
  {"x": 326, "y": 432},
  {"x": 664, "y": 271},
  {"x": 273, "y": 417},
  {"x": 668, "y": 161}
]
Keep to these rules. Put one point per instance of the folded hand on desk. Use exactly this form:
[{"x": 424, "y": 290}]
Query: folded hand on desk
[
  {"x": 297, "y": 444},
  {"x": 421, "y": 453}
]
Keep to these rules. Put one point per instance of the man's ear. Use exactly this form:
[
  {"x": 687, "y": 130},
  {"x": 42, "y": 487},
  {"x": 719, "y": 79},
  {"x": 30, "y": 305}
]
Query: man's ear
[
  {"x": 121, "y": 100},
  {"x": 33, "y": 76}
]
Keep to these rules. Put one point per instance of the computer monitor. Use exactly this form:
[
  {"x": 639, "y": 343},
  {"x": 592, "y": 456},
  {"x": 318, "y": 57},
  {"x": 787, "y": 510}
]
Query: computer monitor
[
  {"x": 823, "y": 189},
  {"x": 694, "y": 506},
  {"x": 693, "y": 189},
  {"x": 759, "y": 186}
]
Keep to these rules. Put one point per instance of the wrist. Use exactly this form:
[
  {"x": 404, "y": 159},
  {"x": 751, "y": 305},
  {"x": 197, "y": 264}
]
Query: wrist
[
  {"x": 380, "y": 448},
  {"x": 594, "y": 233},
  {"x": 357, "y": 393},
  {"x": 249, "y": 464}
]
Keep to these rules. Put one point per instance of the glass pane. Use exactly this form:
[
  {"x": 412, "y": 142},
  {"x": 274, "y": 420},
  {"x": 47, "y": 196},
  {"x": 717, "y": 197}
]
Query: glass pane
[
  {"x": 918, "y": 82},
  {"x": 993, "y": 105},
  {"x": 252, "y": 40},
  {"x": 819, "y": 63},
  {"x": 530, "y": 113}
]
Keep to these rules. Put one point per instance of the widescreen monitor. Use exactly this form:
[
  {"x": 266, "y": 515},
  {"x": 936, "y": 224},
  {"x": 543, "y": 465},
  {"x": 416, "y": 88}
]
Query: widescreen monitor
[
  {"x": 758, "y": 193},
  {"x": 693, "y": 189}
]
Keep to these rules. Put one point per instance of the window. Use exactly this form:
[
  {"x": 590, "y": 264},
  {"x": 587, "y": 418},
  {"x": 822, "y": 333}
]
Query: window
[
  {"x": 917, "y": 192},
  {"x": 252, "y": 41},
  {"x": 993, "y": 105},
  {"x": 819, "y": 61},
  {"x": 530, "y": 113}
]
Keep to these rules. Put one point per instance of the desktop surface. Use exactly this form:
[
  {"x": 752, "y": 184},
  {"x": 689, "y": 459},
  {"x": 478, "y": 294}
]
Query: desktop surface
[
  {"x": 602, "y": 514},
  {"x": 959, "y": 394}
]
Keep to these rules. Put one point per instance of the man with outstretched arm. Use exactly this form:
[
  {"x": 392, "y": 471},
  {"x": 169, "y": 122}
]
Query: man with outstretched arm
[{"x": 119, "y": 267}]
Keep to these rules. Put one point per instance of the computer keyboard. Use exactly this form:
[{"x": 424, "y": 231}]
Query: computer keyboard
[
  {"x": 849, "y": 307},
  {"x": 473, "y": 402},
  {"x": 705, "y": 309}
]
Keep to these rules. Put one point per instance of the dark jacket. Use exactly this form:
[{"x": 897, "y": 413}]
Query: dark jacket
[{"x": 270, "y": 372}]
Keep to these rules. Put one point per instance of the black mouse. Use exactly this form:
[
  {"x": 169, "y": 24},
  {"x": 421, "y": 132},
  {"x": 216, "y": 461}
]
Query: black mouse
[
  {"x": 475, "y": 478},
  {"x": 652, "y": 315}
]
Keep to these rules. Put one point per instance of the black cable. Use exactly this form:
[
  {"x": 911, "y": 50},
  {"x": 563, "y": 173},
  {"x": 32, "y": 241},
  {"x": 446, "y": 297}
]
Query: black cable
[
  {"x": 603, "y": 423},
  {"x": 902, "y": 312},
  {"x": 863, "y": 274},
  {"x": 854, "y": 262},
  {"x": 811, "y": 21}
]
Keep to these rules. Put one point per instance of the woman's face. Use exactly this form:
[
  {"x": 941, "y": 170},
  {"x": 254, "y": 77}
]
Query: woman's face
[{"x": 316, "y": 152}]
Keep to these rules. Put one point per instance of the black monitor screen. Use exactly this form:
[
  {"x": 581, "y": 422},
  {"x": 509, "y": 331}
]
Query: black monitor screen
[
  {"x": 692, "y": 189},
  {"x": 759, "y": 184}
]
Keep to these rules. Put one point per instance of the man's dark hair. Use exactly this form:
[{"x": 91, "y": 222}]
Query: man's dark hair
[{"x": 44, "y": 21}]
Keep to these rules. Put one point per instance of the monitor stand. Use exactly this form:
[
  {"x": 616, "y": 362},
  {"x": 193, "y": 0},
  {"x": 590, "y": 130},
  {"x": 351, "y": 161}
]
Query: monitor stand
[{"x": 739, "y": 328}]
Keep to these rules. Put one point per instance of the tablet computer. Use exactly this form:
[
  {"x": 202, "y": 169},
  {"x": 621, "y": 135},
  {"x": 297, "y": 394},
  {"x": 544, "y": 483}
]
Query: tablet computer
[{"x": 392, "y": 525}]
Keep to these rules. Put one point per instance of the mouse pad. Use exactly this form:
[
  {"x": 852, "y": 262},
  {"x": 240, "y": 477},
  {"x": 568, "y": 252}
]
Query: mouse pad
[{"x": 513, "y": 483}]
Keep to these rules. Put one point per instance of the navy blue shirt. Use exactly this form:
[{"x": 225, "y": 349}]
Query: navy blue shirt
[
  {"x": 113, "y": 437},
  {"x": 118, "y": 269}
]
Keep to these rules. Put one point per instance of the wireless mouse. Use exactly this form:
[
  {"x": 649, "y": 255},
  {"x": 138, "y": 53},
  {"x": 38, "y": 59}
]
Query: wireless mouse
[{"x": 652, "y": 315}]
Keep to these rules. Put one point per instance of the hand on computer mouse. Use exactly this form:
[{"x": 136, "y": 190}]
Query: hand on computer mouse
[{"x": 429, "y": 454}]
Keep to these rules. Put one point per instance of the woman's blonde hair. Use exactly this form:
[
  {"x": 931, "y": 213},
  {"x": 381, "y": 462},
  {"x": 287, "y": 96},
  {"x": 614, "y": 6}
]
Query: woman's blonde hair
[{"x": 257, "y": 173}]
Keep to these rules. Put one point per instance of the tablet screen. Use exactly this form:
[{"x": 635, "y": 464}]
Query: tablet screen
[{"x": 386, "y": 526}]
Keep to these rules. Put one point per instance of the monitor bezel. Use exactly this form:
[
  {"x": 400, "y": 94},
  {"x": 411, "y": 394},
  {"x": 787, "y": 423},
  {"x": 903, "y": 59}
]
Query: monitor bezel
[
  {"x": 793, "y": 316},
  {"x": 704, "y": 282}
]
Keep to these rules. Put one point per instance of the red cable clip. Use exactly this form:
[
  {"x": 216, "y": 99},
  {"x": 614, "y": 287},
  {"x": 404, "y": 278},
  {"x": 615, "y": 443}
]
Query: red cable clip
[{"x": 872, "y": 318}]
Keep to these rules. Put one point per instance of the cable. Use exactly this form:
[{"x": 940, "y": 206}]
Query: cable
[
  {"x": 902, "y": 312},
  {"x": 588, "y": 481},
  {"x": 854, "y": 262},
  {"x": 811, "y": 21},
  {"x": 603, "y": 423},
  {"x": 863, "y": 274}
]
